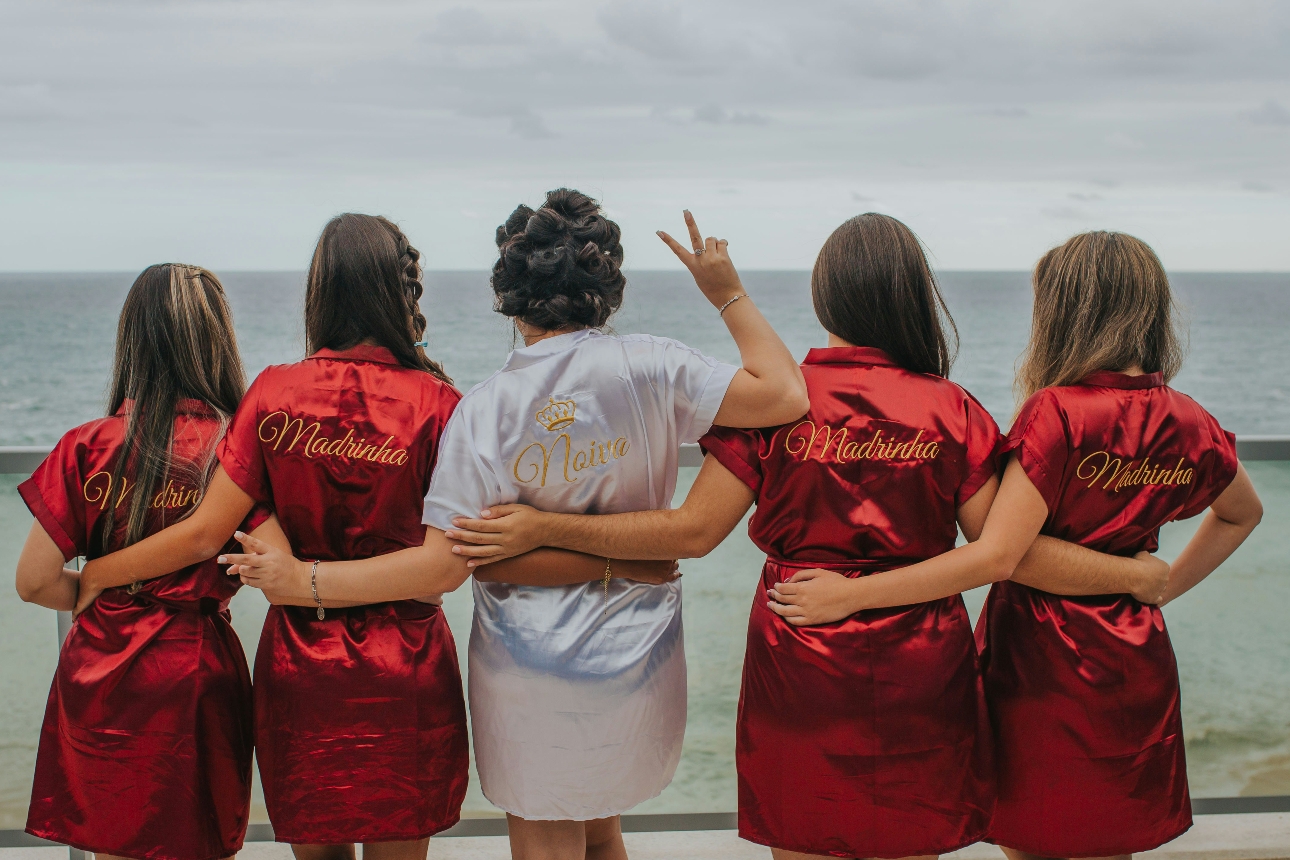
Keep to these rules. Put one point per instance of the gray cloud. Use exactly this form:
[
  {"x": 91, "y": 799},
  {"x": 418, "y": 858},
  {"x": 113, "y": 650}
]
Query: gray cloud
[
  {"x": 715, "y": 114},
  {"x": 104, "y": 103},
  {"x": 1064, "y": 213},
  {"x": 1006, "y": 112},
  {"x": 1271, "y": 112}
]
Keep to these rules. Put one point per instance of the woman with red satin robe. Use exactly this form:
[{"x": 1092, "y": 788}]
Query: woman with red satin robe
[
  {"x": 359, "y": 716},
  {"x": 865, "y": 735},
  {"x": 1080, "y": 676},
  {"x": 1082, "y": 684},
  {"x": 145, "y": 751}
]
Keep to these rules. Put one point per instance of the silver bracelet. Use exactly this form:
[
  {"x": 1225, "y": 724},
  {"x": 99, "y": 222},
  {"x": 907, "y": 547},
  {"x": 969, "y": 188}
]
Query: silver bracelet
[
  {"x": 313, "y": 584},
  {"x": 721, "y": 310}
]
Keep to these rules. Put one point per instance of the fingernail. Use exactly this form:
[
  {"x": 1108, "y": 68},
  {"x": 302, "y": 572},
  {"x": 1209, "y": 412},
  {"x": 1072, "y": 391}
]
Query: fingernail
[
  {"x": 470, "y": 564},
  {"x": 686, "y": 211},
  {"x": 457, "y": 550},
  {"x": 485, "y": 513},
  {"x": 658, "y": 233},
  {"x": 221, "y": 560},
  {"x": 449, "y": 534},
  {"x": 239, "y": 535}
]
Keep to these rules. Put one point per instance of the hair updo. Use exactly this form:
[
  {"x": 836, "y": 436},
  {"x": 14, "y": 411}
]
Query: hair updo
[{"x": 561, "y": 266}]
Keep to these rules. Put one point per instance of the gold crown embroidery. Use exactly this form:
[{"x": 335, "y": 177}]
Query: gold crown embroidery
[{"x": 557, "y": 415}]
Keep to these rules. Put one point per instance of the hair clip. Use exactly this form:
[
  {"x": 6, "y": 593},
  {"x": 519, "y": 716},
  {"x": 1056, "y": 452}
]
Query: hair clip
[{"x": 422, "y": 343}]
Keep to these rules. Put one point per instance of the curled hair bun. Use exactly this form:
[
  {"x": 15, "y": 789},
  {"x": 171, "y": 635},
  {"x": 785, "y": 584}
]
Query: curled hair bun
[{"x": 559, "y": 266}]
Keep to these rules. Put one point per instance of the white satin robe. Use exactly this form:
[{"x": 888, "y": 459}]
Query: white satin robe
[{"x": 577, "y": 703}]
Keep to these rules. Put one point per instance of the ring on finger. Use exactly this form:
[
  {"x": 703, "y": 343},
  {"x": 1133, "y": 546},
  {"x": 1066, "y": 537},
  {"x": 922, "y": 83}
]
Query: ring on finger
[{"x": 698, "y": 252}]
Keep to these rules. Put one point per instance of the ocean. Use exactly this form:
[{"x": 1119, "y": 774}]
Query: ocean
[{"x": 56, "y": 342}]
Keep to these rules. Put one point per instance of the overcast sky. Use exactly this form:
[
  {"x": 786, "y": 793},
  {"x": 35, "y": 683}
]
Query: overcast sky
[{"x": 226, "y": 133}]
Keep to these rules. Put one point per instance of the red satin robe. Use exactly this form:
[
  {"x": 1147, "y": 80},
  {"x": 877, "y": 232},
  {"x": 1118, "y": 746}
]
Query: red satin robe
[
  {"x": 360, "y": 720},
  {"x": 867, "y": 737},
  {"x": 145, "y": 750},
  {"x": 1083, "y": 691}
]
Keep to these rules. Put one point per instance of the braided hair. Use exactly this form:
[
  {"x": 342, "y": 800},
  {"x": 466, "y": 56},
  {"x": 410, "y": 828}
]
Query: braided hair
[
  {"x": 365, "y": 282},
  {"x": 560, "y": 266}
]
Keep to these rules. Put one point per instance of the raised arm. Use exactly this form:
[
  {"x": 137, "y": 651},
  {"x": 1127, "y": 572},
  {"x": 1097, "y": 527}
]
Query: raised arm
[
  {"x": 769, "y": 389},
  {"x": 223, "y": 507},
  {"x": 41, "y": 577},
  {"x": 711, "y": 510},
  {"x": 1228, "y": 523}
]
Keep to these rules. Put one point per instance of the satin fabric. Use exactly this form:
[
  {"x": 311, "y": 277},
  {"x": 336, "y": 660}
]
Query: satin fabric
[
  {"x": 145, "y": 749},
  {"x": 577, "y": 693},
  {"x": 1083, "y": 691},
  {"x": 360, "y": 718},
  {"x": 867, "y": 737}
]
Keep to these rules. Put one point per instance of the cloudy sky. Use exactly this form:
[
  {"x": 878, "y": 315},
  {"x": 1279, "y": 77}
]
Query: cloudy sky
[{"x": 225, "y": 133}]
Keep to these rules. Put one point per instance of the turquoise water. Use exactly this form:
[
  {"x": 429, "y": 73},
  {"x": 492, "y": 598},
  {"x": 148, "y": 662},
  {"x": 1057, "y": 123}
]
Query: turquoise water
[{"x": 55, "y": 350}]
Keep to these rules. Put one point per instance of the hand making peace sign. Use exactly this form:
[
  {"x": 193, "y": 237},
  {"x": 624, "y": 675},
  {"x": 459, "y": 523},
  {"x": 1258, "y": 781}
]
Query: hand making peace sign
[{"x": 709, "y": 264}]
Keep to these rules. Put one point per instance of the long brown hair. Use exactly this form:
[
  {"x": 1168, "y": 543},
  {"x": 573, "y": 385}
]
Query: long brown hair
[
  {"x": 1102, "y": 302},
  {"x": 174, "y": 341},
  {"x": 365, "y": 282},
  {"x": 872, "y": 286}
]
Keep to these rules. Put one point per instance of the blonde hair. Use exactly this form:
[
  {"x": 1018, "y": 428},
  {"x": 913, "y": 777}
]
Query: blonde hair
[{"x": 1102, "y": 302}]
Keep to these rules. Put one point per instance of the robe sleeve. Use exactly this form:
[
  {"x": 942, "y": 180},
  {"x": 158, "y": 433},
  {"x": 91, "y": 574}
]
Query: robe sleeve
[
  {"x": 1219, "y": 465},
  {"x": 256, "y": 518},
  {"x": 737, "y": 450},
  {"x": 241, "y": 452},
  {"x": 60, "y": 499},
  {"x": 1039, "y": 441},
  {"x": 982, "y": 444},
  {"x": 462, "y": 484},
  {"x": 690, "y": 383}
]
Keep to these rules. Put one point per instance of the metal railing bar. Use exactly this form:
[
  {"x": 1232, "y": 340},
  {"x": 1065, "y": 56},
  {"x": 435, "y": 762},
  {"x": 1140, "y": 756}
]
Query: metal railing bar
[
  {"x": 682, "y": 821},
  {"x": 1263, "y": 447},
  {"x": 21, "y": 459},
  {"x": 1239, "y": 805},
  {"x": 22, "y": 839}
]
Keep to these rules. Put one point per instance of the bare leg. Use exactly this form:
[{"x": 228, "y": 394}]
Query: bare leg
[
  {"x": 323, "y": 852},
  {"x": 396, "y": 850},
  {"x": 1014, "y": 854},
  {"x": 546, "y": 840},
  {"x": 605, "y": 839}
]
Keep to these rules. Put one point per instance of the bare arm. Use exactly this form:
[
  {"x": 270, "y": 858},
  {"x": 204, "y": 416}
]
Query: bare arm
[
  {"x": 1229, "y": 522},
  {"x": 769, "y": 389},
  {"x": 1060, "y": 567},
  {"x": 818, "y": 596},
  {"x": 197, "y": 538},
  {"x": 711, "y": 510},
  {"x": 1006, "y": 541},
  {"x": 41, "y": 577},
  {"x": 412, "y": 573}
]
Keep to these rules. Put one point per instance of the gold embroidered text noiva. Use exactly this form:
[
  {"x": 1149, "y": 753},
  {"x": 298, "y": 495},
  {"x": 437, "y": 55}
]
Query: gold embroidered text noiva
[{"x": 535, "y": 459}]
